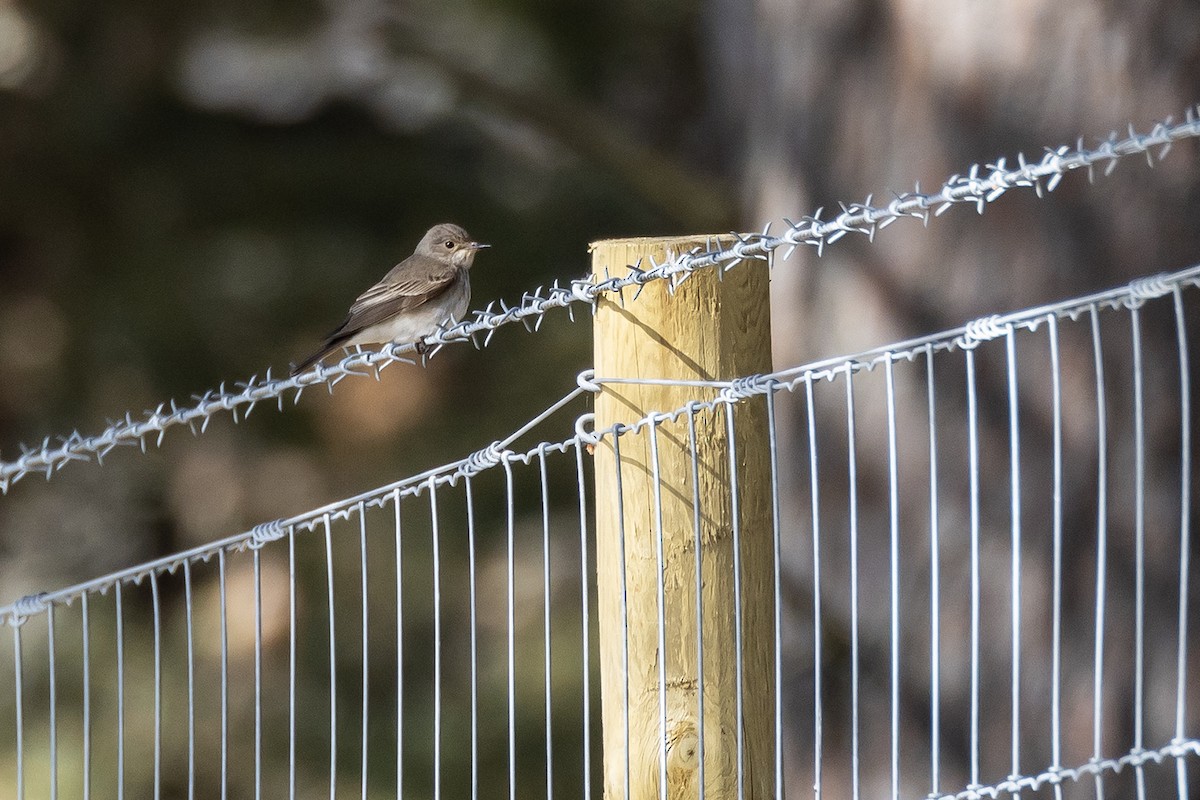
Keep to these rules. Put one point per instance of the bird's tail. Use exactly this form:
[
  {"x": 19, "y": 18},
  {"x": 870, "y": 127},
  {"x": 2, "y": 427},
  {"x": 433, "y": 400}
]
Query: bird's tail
[
  {"x": 329, "y": 347},
  {"x": 306, "y": 363}
]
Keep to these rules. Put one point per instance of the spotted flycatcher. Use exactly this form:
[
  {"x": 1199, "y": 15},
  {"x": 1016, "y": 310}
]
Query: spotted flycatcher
[{"x": 430, "y": 288}]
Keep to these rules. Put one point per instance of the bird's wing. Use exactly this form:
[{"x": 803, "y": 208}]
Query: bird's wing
[{"x": 409, "y": 285}]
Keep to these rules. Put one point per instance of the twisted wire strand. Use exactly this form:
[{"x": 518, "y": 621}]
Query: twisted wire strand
[
  {"x": 727, "y": 392},
  {"x": 1097, "y": 767},
  {"x": 980, "y": 186}
]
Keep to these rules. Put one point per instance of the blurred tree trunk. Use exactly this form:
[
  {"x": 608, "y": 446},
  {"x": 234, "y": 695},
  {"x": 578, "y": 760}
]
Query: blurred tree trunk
[{"x": 845, "y": 99}]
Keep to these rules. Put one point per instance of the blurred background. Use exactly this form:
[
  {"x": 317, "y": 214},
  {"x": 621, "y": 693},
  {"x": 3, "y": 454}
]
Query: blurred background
[{"x": 192, "y": 193}]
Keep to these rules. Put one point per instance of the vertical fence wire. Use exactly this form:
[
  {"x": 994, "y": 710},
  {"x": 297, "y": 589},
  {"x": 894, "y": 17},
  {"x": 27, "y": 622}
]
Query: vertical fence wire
[
  {"x": 893, "y": 571},
  {"x": 224, "y": 657},
  {"x": 333, "y": 704},
  {"x": 660, "y": 603},
  {"x": 436, "y": 544},
  {"x": 776, "y": 591},
  {"x": 472, "y": 602},
  {"x": 19, "y": 710},
  {"x": 1014, "y": 467},
  {"x": 156, "y": 611},
  {"x": 191, "y": 680},
  {"x": 120, "y": 632},
  {"x": 86, "y": 665},
  {"x": 291, "y": 540},
  {"x": 852, "y": 494},
  {"x": 366, "y": 639},
  {"x": 53, "y": 692},
  {"x": 585, "y": 632},
  {"x": 398, "y": 529},
  {"x": 1185, "y": 504},
  {"x": 1139, "y": 533},
  {"x": 546, "y": 652},
  {"x": 935, "y": 633},
  {"x": 973, "y": 471},
  {"x": 510, "y": 510},
  {"x": 660, "y": 609},
  {"x": 697, "y": 545},
  {"x": 739, "y": 670},
  {"x": 257, "y": 556},
  {"x": 1057, "y": 567},
  {"x": 1101, "y": 546},
  {"x": 814, "y": 493},
  {"x": 619, "y": 499}
]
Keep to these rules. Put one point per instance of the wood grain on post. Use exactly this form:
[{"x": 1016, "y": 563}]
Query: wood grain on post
[{"x": 714, "y": 327}]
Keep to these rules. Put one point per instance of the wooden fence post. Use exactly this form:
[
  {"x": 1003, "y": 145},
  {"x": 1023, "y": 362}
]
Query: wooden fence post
[{"x": 714, "y": 327}]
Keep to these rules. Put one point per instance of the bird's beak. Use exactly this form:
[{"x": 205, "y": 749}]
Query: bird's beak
[{"x": 478, "y": 245}]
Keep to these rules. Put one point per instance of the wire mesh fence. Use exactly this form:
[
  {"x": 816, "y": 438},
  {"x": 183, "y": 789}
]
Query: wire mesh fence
[
  {"x": 956, "y": 566},
  {"x": 323, "y": 657},
  {"x": 978, "y": 582}
]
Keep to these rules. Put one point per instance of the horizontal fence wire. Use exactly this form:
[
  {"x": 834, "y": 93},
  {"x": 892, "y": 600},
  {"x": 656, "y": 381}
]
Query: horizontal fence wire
[
  {"x": 984, "y": 589},
  {"x": 980, "y": 186}
]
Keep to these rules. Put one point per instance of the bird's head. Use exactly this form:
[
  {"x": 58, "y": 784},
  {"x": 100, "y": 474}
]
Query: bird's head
[{"x": 451, "y": 244}]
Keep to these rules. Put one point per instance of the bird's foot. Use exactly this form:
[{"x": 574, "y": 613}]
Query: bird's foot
[{"x": 423, "y": 351}]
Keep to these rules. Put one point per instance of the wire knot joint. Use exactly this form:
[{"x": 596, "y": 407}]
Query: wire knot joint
[
  {"x": 982, "y": 330},
  {"x": 585, "y": 429},
  {"x": 28, "y": 606},
  {"x": 1148, "y": 288},
  {"x": 748, "y": 386},
  {"x": 266, "y": 532},
  {"x": 480, "y": 460},
  {"x": 586, "y": 380}
]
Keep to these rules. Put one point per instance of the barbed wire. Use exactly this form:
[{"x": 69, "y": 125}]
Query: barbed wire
[
  {"x": 1177, "y": 750},
  {"x": 980, "y": 186},
  {"x": 726, "y": 393},
  {"x": 495, "y": 454}
]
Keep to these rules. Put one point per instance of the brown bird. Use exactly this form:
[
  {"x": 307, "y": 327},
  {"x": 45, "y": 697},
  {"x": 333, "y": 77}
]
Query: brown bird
[{"x": 430, "y": 288}]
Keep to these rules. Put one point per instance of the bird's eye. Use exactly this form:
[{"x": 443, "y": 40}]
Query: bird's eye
[{"x": 449, "y": 245}]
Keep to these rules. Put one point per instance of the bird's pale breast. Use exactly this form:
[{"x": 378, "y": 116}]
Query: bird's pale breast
[{"x": 412, "y": 324}]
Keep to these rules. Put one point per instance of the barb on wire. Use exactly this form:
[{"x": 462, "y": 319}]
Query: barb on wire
[{"x": 980, "y": 186}]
